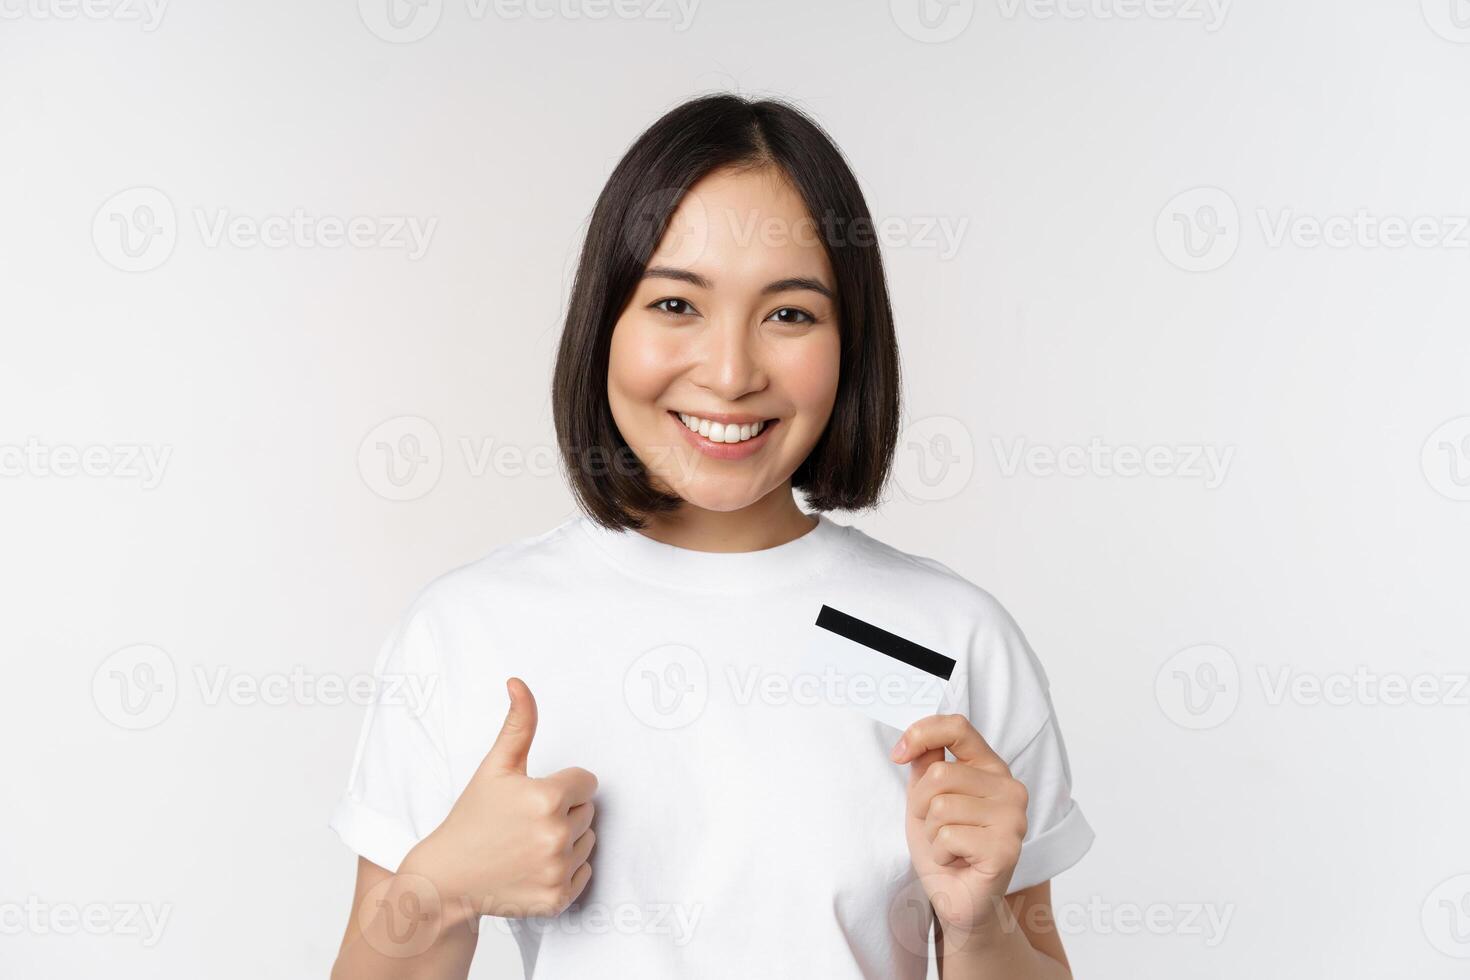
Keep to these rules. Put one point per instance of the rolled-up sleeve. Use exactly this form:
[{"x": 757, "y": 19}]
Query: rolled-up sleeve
[
  {"x": 398, "y": 789},
  {"x": 1057, "y": 833}
]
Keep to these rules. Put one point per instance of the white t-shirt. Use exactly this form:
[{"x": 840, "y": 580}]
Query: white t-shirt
[{"x": 744, "y": 827}]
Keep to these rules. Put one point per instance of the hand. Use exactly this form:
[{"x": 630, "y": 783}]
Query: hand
[
  {"x": 965, "y": 820},
  {"x": 513, "y": 845}
]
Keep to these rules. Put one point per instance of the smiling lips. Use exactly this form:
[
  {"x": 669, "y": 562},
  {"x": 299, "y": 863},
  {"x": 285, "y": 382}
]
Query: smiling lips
[{"x": 726, "y": 437}]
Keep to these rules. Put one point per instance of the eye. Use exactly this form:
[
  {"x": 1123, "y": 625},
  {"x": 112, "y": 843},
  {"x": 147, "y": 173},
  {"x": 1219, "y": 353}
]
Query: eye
[
  {"x": 686, "y": 311},
  {"x": 793, "y": 310}
]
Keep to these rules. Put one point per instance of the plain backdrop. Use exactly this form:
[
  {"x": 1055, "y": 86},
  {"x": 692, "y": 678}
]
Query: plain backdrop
[{"x": 1182, "y": 296}]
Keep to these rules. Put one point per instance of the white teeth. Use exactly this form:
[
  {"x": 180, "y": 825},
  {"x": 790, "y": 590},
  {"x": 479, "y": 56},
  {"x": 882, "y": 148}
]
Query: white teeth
[{"x": 719, "y": 432}]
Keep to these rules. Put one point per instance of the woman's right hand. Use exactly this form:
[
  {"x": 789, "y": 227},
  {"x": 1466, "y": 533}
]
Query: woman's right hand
[{"x": 513, "y": 845}]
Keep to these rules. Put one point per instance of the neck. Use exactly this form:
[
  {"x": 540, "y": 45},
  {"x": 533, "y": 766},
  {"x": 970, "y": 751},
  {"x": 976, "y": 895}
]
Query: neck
[{"x": 773, "y": 520}]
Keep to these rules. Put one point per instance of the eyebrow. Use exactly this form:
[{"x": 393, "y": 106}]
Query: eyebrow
[{"x": 779, "y": 286}]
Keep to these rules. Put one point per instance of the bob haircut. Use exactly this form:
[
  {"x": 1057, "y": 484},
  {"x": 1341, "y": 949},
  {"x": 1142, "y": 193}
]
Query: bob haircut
[{"x": 850, "y": 462}]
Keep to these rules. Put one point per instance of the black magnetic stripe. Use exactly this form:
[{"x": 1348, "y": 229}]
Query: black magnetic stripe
[{"x": 886, "y": 643}]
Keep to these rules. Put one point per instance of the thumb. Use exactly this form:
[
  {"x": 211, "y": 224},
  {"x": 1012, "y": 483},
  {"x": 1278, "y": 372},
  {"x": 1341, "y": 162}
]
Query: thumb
[{"x": 513, "y": 744}]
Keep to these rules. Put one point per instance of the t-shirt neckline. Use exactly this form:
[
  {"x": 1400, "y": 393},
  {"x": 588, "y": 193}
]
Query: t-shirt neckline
[{"x": 688, "y": 570}]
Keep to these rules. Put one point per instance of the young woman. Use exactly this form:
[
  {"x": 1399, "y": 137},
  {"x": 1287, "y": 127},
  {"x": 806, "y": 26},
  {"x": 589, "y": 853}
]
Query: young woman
[{"x": 626, "y": 755}]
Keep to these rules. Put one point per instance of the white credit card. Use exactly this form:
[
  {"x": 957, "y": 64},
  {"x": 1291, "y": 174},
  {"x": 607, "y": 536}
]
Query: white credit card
[{"x": 885, "y": 676}]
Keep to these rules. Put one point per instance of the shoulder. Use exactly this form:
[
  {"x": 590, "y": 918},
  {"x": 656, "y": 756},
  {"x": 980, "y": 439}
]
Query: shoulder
[
  {"x": 999, "y": 681},
  {"x": 497, "y": 580},
  {"x": 942, "y": 587}
]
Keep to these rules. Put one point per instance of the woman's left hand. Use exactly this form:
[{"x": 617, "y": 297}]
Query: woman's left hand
[{"x": 965, "y": 820}]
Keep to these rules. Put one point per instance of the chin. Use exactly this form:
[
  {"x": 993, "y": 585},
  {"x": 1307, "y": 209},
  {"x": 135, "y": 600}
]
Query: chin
[{"x": 719, "y": 499}]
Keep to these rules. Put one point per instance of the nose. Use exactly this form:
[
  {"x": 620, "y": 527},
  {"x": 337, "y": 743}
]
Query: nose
[{"x": 730, "y": 363}]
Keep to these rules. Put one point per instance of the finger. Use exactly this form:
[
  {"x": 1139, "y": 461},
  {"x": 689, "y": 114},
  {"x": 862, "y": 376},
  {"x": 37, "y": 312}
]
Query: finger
[
  {"x": 513, "y": 744},
  {"x": 582, "y": 847},
  {"x": 579, "y": 881},
  {"x": 986, "y": 849},
  {"x": 973, "y": 811},
  {"x": 964, "y": 780},
  {"x": 573, "y": 786},
  {"x": 579, "y": 818},
  {"x": 953, "y": 732},
  {"x": 920, "y": 766}
]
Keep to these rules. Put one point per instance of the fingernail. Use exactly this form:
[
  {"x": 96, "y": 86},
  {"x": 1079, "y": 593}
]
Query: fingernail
[{"x": 898, "y": 750}]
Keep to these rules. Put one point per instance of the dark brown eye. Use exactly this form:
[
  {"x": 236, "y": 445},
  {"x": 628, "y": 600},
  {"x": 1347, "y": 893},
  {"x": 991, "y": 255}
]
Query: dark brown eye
[
  {"x": 685, "y": 311},
  {"x": 797, "y": 312}
]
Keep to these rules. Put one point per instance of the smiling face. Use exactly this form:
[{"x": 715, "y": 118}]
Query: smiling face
[{"x": 733, "y": 329}]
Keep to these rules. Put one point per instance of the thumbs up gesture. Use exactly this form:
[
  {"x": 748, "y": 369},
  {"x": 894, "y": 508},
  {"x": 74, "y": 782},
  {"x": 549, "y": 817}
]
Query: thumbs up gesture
[{"x": 513, "y": 845}]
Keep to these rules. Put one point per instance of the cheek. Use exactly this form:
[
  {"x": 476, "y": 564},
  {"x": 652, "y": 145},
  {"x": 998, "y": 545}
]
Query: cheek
[
  {"x": 640, "y": 365},
  {"x": 811, "y": 371}
]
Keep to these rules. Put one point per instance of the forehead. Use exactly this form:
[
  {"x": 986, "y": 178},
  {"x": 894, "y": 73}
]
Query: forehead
[{"x": 738, "y": 226}]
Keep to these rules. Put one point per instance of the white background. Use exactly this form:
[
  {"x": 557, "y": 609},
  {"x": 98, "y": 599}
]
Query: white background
[{"x": 1329, "y": 838}]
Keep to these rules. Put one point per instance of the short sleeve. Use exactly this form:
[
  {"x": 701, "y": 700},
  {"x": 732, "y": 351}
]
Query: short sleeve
[
  {"x": 1057, "y": 834},
  {"x": 398, "y": 789},
  {"x": 1004, "y": 691}
]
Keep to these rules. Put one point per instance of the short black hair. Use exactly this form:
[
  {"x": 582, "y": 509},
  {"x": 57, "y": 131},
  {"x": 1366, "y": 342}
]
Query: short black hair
[{"x": 849, "y": 465}]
